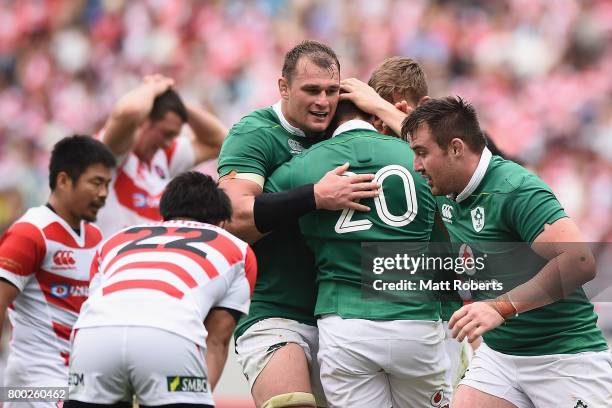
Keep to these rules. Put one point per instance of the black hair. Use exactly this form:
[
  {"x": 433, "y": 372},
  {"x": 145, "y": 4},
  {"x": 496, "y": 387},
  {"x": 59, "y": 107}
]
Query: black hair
[
  {"x": 74, "y": 154},
  {"x": 346, "y": 110},
  {"x": 195, "y": 196},
  {"x": 447, "y": 118},
  {"x": 169, "y": 101}
]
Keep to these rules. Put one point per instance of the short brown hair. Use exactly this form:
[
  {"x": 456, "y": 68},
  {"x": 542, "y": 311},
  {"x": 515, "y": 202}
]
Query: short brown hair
[
  {"x": 447, "y": 118},
  {"x": 399, "y": 76},
  {"x": 319, "y": 53}
]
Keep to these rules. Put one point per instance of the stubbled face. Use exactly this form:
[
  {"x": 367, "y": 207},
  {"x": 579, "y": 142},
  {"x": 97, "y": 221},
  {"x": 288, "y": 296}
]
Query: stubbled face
[
  {"x": 155, "y": 135},
  {"x": 433, "y": 162},
  {"x": 87, "y": 195},
  {"x": 311, "y": 97}
]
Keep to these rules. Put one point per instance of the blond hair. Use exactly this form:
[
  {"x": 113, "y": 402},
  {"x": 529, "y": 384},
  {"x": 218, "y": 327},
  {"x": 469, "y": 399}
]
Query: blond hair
[{"x": 399, "y": 78}]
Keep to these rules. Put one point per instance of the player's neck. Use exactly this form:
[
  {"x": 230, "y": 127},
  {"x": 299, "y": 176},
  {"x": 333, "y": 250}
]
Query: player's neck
[
  {"x": 62, "y": 211},
  {"x": 466, "y": 173}
]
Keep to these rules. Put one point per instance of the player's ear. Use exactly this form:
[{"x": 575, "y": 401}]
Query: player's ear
[
  {"x": 378, "y": 124},
  {"x": 423, "y": 100},
  {"x": 63, "y": 181},
  {"x": 283, "y": 87},
  {"x": 457, "y": 147}
]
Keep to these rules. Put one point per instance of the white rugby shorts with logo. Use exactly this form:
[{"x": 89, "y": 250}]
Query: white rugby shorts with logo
[
  {"x": 258, "y": 343},
  {"x": 582, "y": 380},
  {"x": 161, "y": 367},
  {"x": 141, "y": 331},
  {"x": 397, "y": 363}
]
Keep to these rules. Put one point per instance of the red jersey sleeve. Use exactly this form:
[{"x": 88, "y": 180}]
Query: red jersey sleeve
[{"x": 22, "y": 250}]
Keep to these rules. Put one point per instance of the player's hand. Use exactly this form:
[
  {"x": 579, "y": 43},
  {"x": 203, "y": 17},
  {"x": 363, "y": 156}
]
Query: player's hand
[
  {"x": 402, "y": 106},
  {"x": 474, "y": 320},
  {"x": 362, "y": 95},
  {"x": 158, "y": 83},
  {"x": 336, "y": 192}
]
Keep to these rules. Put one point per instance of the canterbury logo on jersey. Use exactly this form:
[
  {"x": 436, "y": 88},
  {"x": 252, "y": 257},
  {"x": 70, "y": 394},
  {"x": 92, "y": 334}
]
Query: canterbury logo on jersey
[
  {"x": 447, "y": 213},
  {"x": 64, "y": 258}
]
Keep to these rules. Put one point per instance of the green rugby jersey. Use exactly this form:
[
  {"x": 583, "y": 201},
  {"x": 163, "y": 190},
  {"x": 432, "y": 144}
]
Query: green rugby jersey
[
  {"x": 404, "y": 212},
  {"x": 450, "y": 301},
  {"x": 506, "y": 203},
  {"x": 285, "y": 287}
]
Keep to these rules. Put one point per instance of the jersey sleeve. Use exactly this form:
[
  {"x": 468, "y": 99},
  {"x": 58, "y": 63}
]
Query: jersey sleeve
[
  {"x": 241, "y": 287},
  {"x": 531, "y": 206},
  {"x": 180, "y": 155},
  {"x": 22, "y": 250},
  {"x": 245, "y": 152},
  {"x": 250, "y": 269},
  {"x": 281, "y": 179}
]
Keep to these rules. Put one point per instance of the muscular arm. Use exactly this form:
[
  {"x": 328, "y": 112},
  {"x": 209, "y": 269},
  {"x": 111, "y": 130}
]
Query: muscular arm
[
  {"x": 242, "y": 194},
  {"x": 220, "y": 325},
  {"x": 208, "y": 133},
  {"x": 570, "y": 265},
  {"x": 332, "y": 192},
  {"x": 130, "y": 111}
]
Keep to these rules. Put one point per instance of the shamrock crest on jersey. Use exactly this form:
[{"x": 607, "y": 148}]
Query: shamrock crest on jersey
[
  {"x": 295, "y": 146},
  {"x": 478, "y": 218}
]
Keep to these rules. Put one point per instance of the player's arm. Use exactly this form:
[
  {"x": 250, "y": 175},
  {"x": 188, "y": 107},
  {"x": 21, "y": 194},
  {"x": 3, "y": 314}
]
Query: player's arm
[
  {"x": 366, "y": 98},
  {"x": 8, "y": 293},
  {"x": 570, "y": 265},
  {"x": 242, "y": 193},
  {"x": 22, "y": 249},
  {"x": 130, "y": 111},
  {"x": 220, "y": 324},
  {"x": 208, "y": 133},
  {"x": 256, "y": 213}
]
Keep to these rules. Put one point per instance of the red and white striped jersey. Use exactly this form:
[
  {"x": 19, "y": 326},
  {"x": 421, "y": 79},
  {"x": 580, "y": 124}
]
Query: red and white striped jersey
[
  {"x": 169, "y": 275},
  {"x": 50, "y": 264},
  {"x": 137, "y": 186}
]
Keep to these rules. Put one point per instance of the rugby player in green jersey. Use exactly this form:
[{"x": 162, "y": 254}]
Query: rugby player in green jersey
[
  {"x": 278, "y": 341},
  {"x": 402, "y": 82},
  {"x": 542, "y": 347},
  {"x": 382, "y": 351}
]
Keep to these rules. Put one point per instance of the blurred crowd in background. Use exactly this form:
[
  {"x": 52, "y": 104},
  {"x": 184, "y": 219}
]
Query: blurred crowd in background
[{"x": 539, "y": 73}]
